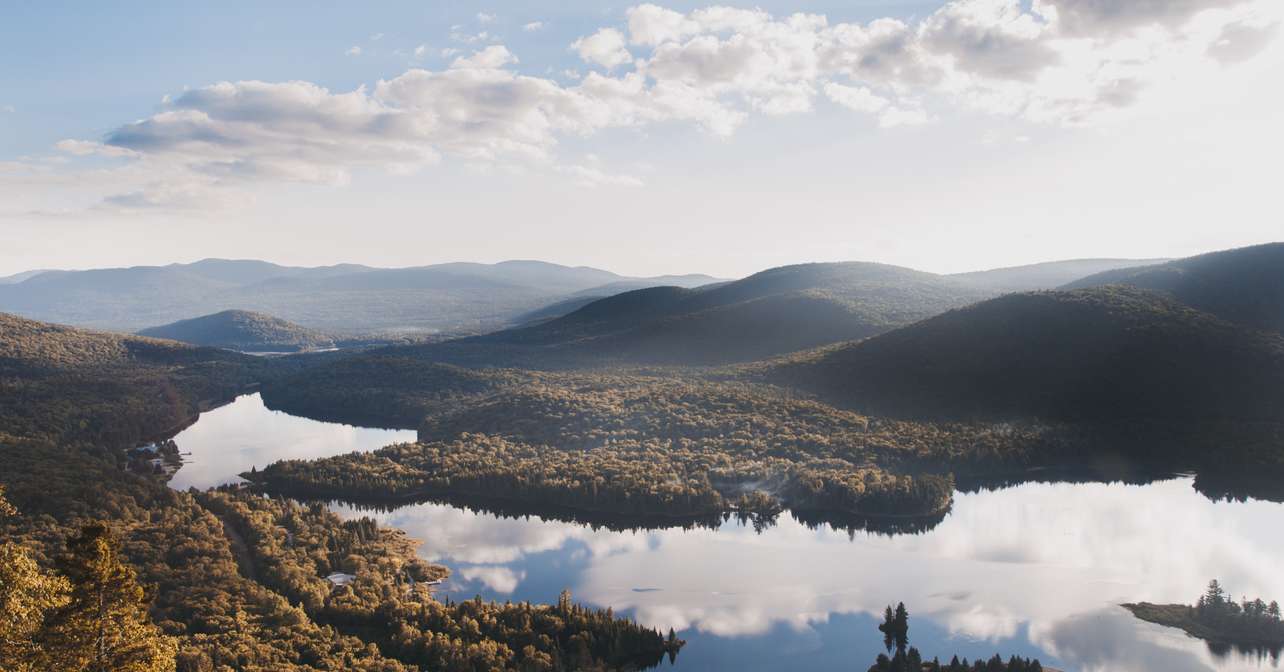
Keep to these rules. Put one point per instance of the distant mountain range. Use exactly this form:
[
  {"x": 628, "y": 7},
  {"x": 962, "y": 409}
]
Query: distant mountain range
[
  {"x": 346, "y": 298},
  {"x": 244, "y": 331}
]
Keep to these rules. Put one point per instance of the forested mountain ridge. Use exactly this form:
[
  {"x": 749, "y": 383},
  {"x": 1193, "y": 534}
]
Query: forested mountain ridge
[
  {"x": 776, "y": 311},
  {"x": 1103, "y": 354},
  {"x": 1244, "y": 285},
  {"x": 347, "y": 297},
  {"x": 242, "y": 330},
  {"x": 1047, "y": 275}
]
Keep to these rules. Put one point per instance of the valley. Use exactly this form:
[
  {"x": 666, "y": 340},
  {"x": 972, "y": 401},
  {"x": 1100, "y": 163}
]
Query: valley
[{"x": 895, "y": 417}]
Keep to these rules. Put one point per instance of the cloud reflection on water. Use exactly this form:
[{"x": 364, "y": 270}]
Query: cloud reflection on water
[{"x": 1040, "y": 563}]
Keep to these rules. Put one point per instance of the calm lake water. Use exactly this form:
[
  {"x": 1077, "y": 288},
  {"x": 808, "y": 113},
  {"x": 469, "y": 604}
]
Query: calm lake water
[{"x": 1035, "y": 569}]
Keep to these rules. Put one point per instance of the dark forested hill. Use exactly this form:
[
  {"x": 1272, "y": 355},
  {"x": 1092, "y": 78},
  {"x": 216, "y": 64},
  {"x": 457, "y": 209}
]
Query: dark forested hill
[
  {"x": 344, "y": 298},
  {"x": 57, "y": 381},
  {"x": 776, "y": 311},
  {"x": 1097, "y": 354},
  {"x": 242, "y": 330},
  {"x": 1244, "y": 285},
  {"x": 1049, "y": 275}
]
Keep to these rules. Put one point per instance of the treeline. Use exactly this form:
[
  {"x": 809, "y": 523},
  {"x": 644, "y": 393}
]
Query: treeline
[
  {"x": 637, "y": 480},
  {"x": 634, "y": 443},
  {"x": 1251, "y": 624},
  {"x": 293, "y": 547}
]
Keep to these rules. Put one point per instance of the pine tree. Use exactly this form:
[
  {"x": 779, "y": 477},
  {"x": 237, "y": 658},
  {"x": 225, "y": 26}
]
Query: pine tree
[
  {"x": 901, "y": 627},
  {"x": 104, "y": 627}
]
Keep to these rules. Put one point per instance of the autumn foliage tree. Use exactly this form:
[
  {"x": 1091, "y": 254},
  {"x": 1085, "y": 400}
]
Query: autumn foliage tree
[{"x": 104, "y": 626}]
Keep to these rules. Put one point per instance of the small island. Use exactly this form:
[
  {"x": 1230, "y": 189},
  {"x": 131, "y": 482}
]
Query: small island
[
  {"x": 1219, "y": 620},
  {"x": 905, "y": 658}
]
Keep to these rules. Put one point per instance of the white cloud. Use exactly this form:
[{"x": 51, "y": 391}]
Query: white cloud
[
  {"x": 469, "y": 38},
  {"x": 1109, "y": 18},
  {"x": 533, "y": 26},
  {"x": 1062, "y": 62},
  {"x": 353, "y": 51},
  {"x": 498, "y": 579},
  {"x": 606, "y": 48},
  {"x": 492, "y": 57},
  {"x": 376, "y": 37},
  {"x": 484, "y": 17},
  {"x": 90, "y": 148}
]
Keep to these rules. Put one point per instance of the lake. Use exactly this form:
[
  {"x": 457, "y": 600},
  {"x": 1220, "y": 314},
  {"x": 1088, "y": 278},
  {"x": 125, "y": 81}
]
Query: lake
[{"x": 1035, "y": 570}]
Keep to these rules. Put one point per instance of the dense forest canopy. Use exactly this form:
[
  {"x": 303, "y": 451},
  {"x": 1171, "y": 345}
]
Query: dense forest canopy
[
  {"x": 1244, "y": 285},
  {"x": 1085, "y": 355}
]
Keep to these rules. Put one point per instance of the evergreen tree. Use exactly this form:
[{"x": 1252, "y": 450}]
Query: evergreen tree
[
  {"x": 1215, "y": 596},
  {"x": 888, "y": 628},
  {"x": 104, "y": 626},
  {"x": 900, "y": 625}
]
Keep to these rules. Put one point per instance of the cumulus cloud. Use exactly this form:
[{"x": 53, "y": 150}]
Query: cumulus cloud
[
  {"x": 1064, "y": 62},
  {"x": 533, "y": 26},
  {"x": 606, "y": 48}
]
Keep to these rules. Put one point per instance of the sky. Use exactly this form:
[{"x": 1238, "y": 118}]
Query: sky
[{"x": 641, "y": 138}]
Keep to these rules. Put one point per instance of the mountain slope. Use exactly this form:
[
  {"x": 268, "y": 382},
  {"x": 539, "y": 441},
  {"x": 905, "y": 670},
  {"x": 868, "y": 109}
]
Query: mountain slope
[
  {"x": 1049, "y": 275},
  {"x": 20, "y": 277},
  {"x": 1244, "y": 285},
  {"x": 244, "y": 331},
  {"x": 1097, "y": 354},
  {"x": 772, "y": 312},
  {"x": 343, "y": 298}
]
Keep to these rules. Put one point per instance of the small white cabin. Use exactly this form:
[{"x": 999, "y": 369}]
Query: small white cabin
[{"x": 340, "y": 579}]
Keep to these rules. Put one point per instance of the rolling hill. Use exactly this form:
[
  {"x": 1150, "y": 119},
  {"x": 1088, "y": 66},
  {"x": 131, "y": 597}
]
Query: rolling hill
[
  {"x": 1244, "y": 285},
  {"x": 244, "y": 331},
  {"x": 345, "y": 298},
  {"x": 1102, "y": 354},
  {"x": 776, "y": 311},
  {"x": 1049, "y": 275}
]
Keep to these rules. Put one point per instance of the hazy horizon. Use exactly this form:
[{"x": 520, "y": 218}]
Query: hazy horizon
[{"x": 574, "y": 265}]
